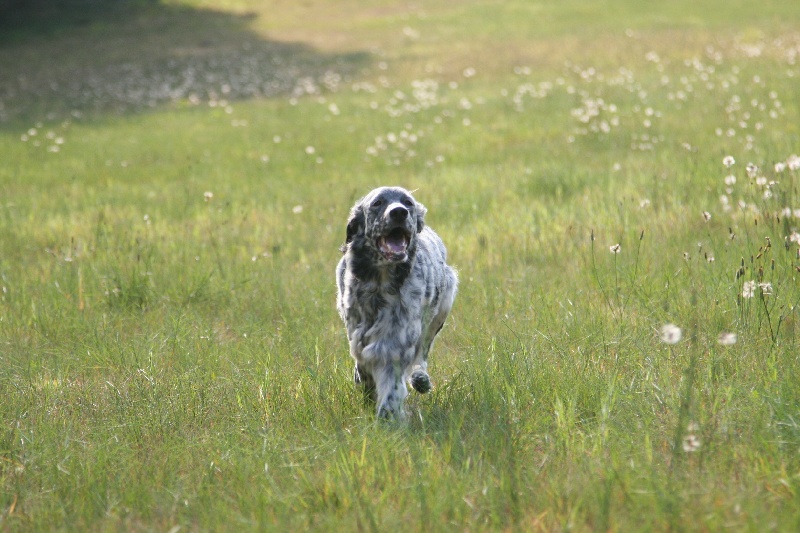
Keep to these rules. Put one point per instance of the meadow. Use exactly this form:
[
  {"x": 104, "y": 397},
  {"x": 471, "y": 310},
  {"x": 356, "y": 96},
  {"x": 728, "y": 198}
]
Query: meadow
[{"x": 617, "y": 183}]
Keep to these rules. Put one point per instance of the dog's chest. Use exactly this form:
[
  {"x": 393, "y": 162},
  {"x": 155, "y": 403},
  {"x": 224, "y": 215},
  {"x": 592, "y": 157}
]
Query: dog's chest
[{"x": 375, "y": 302}]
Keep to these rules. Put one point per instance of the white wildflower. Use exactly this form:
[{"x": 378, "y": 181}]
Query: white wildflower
[{"x": 727, "y": 338}]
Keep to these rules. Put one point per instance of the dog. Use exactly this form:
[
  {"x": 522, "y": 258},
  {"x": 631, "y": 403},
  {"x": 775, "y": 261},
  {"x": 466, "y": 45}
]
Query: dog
[{"x": 394, "y": 292}]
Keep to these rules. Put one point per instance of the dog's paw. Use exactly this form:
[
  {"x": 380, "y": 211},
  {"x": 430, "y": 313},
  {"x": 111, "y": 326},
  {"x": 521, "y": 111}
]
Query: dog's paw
[
  {"x": 391, "y": 406},
  {"x": 420, "y": 381},
  {"x": 387, "y": 412}
]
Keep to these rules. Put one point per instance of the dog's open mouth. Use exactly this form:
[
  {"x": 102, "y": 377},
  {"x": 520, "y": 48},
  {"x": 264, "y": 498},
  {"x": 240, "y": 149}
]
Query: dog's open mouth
[{"x": 394, "y": 245}]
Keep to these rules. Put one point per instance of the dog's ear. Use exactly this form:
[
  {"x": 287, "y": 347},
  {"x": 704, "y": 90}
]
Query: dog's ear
[
  {"x": 421, "y": 210},
  {"x": 355, "y": 225}
]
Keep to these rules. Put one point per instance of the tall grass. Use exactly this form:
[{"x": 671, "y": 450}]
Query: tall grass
[{"x": 170, "y": 355}]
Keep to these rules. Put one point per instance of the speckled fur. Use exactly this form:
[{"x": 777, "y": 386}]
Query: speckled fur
[{"x": 392, "y": 307}]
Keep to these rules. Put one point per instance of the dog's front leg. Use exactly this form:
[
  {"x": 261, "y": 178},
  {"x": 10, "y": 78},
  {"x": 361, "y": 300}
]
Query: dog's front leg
[{"x": 391, "y": 390}]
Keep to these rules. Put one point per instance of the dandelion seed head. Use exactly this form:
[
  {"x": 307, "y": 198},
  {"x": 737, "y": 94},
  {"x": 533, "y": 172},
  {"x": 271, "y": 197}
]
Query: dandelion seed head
[
  {"x": 615, "y": 248},
  {"x": 671, "y": 334},
  {"x": 727, "y": 338},
  {"x": 748, "y": 289},
  {"x": 706, "y": 216},
  {"x": 728, "y": 161},
  {"x": 691, "y": 443},
  {"x": 207, "y": 196},
  {"x": 411, "y": 33}
]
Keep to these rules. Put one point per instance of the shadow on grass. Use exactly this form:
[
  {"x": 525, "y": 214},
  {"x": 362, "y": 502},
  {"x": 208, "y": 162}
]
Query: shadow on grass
[
  {"x": 75, "y": 56},
  {"x": 22, "y": 20}
]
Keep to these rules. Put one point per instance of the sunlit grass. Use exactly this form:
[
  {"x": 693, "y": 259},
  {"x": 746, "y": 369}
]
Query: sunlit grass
[{"x": 622, "y": 354}]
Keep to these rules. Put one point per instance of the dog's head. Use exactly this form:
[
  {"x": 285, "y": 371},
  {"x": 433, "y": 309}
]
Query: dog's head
[{"x": 385, "y": 224}]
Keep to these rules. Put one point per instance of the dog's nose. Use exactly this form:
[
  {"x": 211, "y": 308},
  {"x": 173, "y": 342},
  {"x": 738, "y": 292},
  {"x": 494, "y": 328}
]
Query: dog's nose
[{"x": 398, "y": 212}]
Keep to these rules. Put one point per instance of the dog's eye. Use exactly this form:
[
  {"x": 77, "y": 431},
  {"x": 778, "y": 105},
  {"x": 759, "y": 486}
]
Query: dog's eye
[
  {"x": 408, "y": 203},
  {"x": 377, "y": 203}
]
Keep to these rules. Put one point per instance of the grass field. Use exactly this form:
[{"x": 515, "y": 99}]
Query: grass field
[{"x": 617, "y": 186}]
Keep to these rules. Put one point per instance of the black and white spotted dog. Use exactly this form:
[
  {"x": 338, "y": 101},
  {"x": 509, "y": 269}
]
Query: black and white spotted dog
[{"x": 395, "y": 291}]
